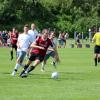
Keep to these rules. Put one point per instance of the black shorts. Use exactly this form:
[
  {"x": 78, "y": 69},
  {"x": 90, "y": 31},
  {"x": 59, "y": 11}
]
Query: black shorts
[
  {"x": 97, "y": 49},
  {"x": 14, "y": 46},
  {"x": 36, "y": 56}
]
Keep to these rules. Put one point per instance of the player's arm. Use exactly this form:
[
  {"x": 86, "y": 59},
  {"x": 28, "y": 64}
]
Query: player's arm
[
  {"x": 10, "y": 35},
  {"x": 50, "y": 49},
  {"x": 18, "y": 42},
  {"x": 34, "y": 45}
]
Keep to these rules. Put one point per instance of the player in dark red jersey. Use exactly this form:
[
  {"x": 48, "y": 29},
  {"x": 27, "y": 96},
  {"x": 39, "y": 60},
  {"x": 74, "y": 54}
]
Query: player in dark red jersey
[
  {"x": 13, "y": 39},
  {"x": 38, "y": 53}
]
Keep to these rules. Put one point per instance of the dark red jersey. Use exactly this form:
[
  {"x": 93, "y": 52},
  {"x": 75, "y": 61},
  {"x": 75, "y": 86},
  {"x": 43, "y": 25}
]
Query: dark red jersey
[
  {"x": 43, "y": 43},
  {"x": 14, "y": 37}
]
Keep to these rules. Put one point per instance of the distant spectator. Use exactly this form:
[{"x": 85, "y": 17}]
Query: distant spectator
[
  {"x": 4, "y": 37},
  {"x": 77, "y": 41}
]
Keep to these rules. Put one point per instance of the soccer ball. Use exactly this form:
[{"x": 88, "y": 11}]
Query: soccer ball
[{"x": 54, "y": 75}]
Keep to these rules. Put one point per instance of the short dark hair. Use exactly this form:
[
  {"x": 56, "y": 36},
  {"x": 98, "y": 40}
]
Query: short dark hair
[
  {"x": 45, "y": 31},
  {"x": 26, "y": 25}
]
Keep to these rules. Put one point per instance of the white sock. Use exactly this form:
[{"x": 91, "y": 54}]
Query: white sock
[
  {"x": 42, "y": 67},
  {"x": 27, "y": 70},
  {"x": 17, "y": 66}
]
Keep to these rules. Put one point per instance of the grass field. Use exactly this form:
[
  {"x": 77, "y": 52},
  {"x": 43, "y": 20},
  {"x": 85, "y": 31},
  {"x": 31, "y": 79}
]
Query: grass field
[{"x": 78, "y": 79}]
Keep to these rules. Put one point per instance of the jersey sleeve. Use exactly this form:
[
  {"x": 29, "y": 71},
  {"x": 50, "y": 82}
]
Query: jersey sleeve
[{"x": 37, "y": 40}]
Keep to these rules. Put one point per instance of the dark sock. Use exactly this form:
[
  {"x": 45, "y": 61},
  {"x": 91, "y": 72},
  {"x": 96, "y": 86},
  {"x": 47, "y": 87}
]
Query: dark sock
[
  {"x": 95, "y": 61},
  {"x": 15, "y": 70},
  {"x": 25, "y": 67},
  {"x": 11, "y": 53},
  {"x": 31, "y": 68}
]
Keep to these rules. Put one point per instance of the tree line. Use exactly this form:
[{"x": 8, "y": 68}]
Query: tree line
[{"x": 62, "y": 15}]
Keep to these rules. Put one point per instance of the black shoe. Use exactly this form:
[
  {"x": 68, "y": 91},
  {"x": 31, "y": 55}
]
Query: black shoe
[
  {"x": 22, "y": 72},
  {"x": 24, "y": 75}
]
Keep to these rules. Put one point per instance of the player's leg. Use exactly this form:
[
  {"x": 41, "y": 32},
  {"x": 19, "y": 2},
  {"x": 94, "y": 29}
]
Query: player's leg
[
  {"x": 15, "y": 47},
  {"x": 95, "y": 59},
  {"x": 53, "y": 55},
  {"x": 99, "y": 55},
  {"x": 43, "y": 65},
  {"x": 44, "y": 61},
  {"x": 37, "y": 59},
  {"x": 11, "y": 52},
  {"x": 20, "y": 58},
  {"x": 98, "y": 58},
  {"x": 29, "y": 69},
  {"x": 96, "y": 52},
  {"x": 32, "y": 58}
]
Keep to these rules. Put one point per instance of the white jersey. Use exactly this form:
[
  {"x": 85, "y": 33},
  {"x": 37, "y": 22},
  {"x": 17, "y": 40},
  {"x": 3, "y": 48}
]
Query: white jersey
[
  {"x": 33, "y": 34},
  {"x": 23, "y": 42}
]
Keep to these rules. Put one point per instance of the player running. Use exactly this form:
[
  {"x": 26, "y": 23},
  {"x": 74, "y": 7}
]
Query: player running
[
  {"x": 51, "y": 53},
  {"x": 23, "y": 43},
  {"x": 33, "y": 32},
  {"x": 96, "y": 39},
  {"x": 13, "y": 39},
  {"x": 38, "y": 53}
]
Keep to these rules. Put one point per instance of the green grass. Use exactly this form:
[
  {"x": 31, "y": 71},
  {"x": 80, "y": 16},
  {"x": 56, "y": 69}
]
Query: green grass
[{"x": 78, "y": 79}]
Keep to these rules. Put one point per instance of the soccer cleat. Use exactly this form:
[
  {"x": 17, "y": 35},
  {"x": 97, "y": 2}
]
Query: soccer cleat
[
  {"x": 24, "y": 75},
  {"x": 22, "y": 72}
]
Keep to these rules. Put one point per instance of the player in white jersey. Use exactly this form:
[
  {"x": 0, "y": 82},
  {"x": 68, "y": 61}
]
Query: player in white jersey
[
  {"x": 23, "y": 44},
  {"x": 33, "y": 32},
  {"x": 33, "y": 35}
]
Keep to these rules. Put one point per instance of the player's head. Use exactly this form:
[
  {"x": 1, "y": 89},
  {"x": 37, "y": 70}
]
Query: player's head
[
  {"x": 33, "y": 26},
  {"x": 14, "y": 29},
  {"x": 45, "y": 33},
  {"x": 52, "y": 35},
  {"x": 26, "y": 28}
]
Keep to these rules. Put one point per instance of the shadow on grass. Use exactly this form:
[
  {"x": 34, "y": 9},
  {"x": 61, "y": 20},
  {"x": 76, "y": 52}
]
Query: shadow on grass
[{"x": 62, "y": 75}]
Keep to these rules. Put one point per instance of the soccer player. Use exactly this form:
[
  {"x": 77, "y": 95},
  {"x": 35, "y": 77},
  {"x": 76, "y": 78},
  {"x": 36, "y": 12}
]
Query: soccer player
[
  {"x": 38, "y": 53},
  {"x": 50, "y": 52},
  {"x": 77, "y": 41},
  {"x": 33, "y": 35},
  {"x": 23, "y": 43},
  {"x": 33, "y": 32},
  {"x": 13, "y": 39},
  {"x": 96, "y": 39}
]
